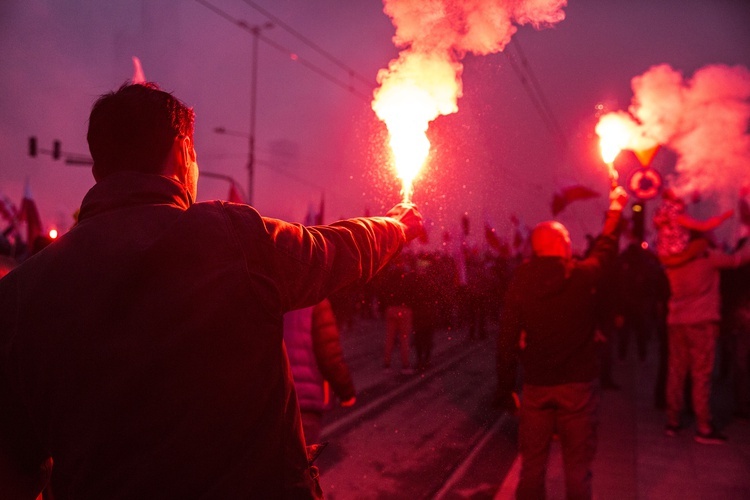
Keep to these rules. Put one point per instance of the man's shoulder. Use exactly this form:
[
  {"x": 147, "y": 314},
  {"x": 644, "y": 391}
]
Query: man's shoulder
[{"x": 231, "y": 212}]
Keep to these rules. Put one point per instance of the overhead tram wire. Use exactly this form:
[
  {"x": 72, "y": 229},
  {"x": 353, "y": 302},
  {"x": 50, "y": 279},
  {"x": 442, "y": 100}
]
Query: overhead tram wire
[
  {"x": 526, "y": 76},
  {"x": 363, "y": 79},
  {"x": 535, "y": 100},
  {"x": 539, "y": 103},
  {"x": 290, "y": 53},
  {"x": 310, "y": 43},
  {"x": 316, "y": 69},
  {"x": 540, "y": 94}
]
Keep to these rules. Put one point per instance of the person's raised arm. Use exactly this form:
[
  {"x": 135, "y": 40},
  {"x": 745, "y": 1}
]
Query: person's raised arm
[
  {"x": 694, "y": 249},
  {"x": 307, "y": 264},
  {"x": 703, "y": 225},
  {"x": 604, "y": 250},
  {"x": 618, "y": 198}
]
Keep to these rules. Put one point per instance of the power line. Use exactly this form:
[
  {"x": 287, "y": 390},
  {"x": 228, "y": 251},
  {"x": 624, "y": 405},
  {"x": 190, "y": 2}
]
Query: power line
[
  {"x": 290, "y": 53},
  {"x": 535, "y": 83},
  {"x": 534, "y": 91},
  {"x": 316, "y": 69},
  {"x": 310, "y": 43},
  {"x": 535, "y": 99}
]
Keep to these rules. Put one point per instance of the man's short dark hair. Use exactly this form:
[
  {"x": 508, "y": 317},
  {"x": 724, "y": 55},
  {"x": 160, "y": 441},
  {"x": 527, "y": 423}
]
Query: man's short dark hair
[{"x": 134, "y": 129}]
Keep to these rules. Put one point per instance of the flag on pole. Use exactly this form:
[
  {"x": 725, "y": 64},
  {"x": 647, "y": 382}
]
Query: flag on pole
[
  {"x": 490, "y": 234},
  {"x": 321, "y": 210},
  {"x": 8, "y": 210},
  {"x": 516, "y": 235},
  {"x": 234, "y": 195},
  {"x": 29, "y": 214},
  {"x": 744, "y": 211},
  {"x": 568, "y": 195},
  {"x": 138, "y": 76},
  {"x": 311, "y": 215}
]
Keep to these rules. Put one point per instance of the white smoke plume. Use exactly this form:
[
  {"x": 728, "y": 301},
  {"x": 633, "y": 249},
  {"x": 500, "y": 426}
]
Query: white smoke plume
[
  {"x": 424, "y": 82},
  {"x": 436, "y": 34},
  {"x": 703, "y": 119}
]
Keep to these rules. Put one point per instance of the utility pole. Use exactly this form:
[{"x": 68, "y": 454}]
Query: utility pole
[{"x": 256, "y": 31}]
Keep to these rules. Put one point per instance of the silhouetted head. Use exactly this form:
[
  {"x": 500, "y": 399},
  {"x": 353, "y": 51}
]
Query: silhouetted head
[
  {"x": 551, "y": 239},
  {"x": 134, "y": 129}
]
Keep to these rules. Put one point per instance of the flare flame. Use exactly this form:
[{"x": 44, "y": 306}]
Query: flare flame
[{"x": 424, "y": 82}]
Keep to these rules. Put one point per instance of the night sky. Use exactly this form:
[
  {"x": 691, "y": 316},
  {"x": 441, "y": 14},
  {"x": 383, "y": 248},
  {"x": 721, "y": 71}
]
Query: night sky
[{"x": 316, "y": 134}]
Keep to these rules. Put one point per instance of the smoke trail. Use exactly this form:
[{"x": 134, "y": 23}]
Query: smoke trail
[
  {"x": 436, "y": 34},
  {"x": 424, "y": 82},
  {"x": 703, "y": 119}
]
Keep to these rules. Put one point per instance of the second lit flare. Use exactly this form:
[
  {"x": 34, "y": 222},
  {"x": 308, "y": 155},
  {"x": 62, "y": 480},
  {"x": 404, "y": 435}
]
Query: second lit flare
[{"x": 614, "y": 133}]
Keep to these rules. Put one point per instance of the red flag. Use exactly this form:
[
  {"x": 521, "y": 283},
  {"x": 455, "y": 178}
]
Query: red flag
[
  {"x": 321, "y": 211},
  {"x": 570, "y": 194},
  {"x": 234, "y": 195},
  {"x": 491, "y": 236},
  {"x": 517, "y": 239},
  {"x": 30, "y": 215},
  {"x": 465, "y": 224},
  {"x": 8, "y": 210},
  {"x": 744, "y": 211},
  {"x": 311, "y": 215}
]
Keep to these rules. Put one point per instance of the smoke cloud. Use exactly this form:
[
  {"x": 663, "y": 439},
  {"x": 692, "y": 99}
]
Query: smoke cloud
[
  {"x": 424, "y": 82},
  {"x": 436, "y": 34},
  {"x": 703, "y": 119}
]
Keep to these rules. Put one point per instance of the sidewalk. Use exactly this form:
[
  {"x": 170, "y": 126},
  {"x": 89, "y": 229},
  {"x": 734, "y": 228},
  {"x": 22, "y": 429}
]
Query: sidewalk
[{"x": 636, "y": 460}]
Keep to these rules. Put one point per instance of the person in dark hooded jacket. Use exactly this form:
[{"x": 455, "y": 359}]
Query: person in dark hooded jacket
[
  {"x": 141, "y": 353},
  {"x": 548, "y": 323}
]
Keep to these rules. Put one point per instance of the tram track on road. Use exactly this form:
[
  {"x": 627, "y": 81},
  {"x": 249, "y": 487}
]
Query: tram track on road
[
  {"x": 382, "y": 402},
  {"x": 434, "y": 434},
  {"x": 463, "y": 481}
]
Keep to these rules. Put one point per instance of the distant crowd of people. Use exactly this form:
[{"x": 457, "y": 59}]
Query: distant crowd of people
[{"x": 568, "y": 320}]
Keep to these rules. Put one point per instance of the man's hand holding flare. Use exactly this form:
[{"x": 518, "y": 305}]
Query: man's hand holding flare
[
  {"x": 409, "y": 217},
  {"x": 618, "y": 198}
]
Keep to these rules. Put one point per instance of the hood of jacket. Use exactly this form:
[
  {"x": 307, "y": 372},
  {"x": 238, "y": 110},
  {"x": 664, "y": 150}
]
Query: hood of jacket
[{"x": 544, "y": 276}]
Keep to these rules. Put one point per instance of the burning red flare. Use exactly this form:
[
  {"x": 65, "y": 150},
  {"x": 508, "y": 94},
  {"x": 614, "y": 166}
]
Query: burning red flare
[
  {"x": 424, "y": 82},
  {"x": 415, "y": 90}
]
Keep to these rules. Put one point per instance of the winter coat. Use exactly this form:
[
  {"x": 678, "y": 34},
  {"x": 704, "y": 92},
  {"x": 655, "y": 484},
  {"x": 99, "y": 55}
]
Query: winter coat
[
  {"x": 143, "y": 349},
  {"x": 315, "y": 355},
  {"x": 553, "y": 301}
]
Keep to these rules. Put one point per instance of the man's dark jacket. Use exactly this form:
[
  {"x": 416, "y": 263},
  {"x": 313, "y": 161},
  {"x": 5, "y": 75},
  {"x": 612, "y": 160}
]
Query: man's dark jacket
[
  {"x": 143, "y": 349},
  {"x": 553, "y": 301}
]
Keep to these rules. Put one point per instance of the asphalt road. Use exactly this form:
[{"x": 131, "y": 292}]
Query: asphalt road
[{"x": 434, "y": 434}]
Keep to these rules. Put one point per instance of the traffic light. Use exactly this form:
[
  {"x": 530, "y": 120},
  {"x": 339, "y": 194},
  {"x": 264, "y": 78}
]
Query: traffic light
[
  {"x": 56, "y": 150},
  {"x": 32, "y": 146}
]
